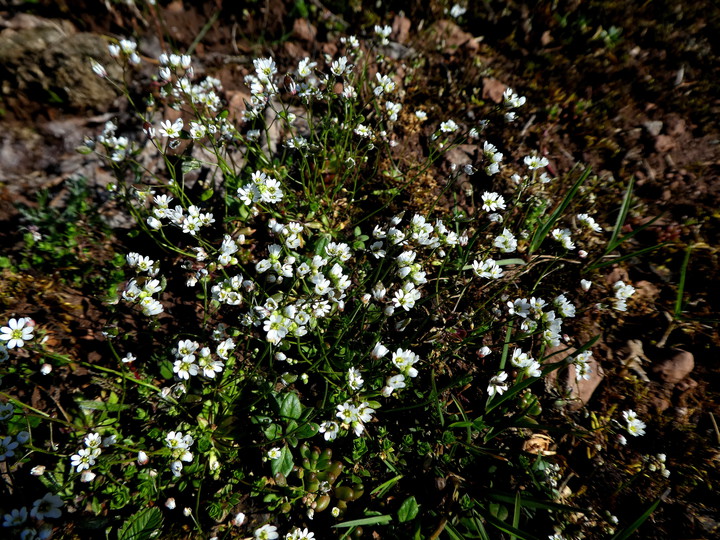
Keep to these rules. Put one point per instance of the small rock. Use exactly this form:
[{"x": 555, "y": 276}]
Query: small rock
[
  {"x": 401, "y": 28},
  {"x": 303, "y": 30},
  {"x": 676, "y": 368},
  {"x": 493, "y": 89},
  {"x": 653, "y": 127},
  {"x": 580, "y": 391},
  {"x": 664, "y": 143}
]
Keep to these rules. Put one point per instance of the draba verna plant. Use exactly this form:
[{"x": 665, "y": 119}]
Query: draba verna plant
[{"x": 301, "y": 350}]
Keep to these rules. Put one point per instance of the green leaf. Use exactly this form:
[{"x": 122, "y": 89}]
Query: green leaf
[
  {"x": 284, "y": 464},
  {"x": 206, "y": 194},
  {"x": 408, "y": 510},
  {"x": 290, "y": 406},
  {"x": 375, "y": 520},
  {"x": 622, "y": 216},
  {"x": 142, "y": 525},
  {"x": 191, "y": 165}
]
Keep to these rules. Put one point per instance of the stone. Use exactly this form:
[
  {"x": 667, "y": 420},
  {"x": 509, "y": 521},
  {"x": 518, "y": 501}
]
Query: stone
[{"x": 675, "y": 368}]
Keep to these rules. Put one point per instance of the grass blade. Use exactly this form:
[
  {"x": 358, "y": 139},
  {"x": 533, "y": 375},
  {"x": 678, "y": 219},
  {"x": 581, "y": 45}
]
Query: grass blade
[
  {"x": 628, "y": 531},
  {"x": 374, "y": 520},
  {"x": 681, "y": 284},
  {"x": 622, "y": 216},
  {"x": 542, "y": 232}
]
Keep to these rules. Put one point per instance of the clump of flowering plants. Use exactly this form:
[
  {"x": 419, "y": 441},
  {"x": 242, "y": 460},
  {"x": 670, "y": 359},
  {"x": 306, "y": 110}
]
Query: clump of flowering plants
[{"x": 311, "y": 350}]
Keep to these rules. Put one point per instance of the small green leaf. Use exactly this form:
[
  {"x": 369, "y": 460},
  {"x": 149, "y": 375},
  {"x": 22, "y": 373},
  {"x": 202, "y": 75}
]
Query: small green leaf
[
  {"x": 142, "y": 525},
  {"x": 408, "y": 510},
  {"x": 206, "y": 194},
  {"x": 290, "y": 406},
  {"x": 284, "y": 464}
]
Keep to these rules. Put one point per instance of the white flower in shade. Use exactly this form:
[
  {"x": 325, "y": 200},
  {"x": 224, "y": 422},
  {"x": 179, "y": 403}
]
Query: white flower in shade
[
  {"x": 330, "y": 430},
  {"x": 497, "y": 384},
  {"x": 511, "y": 100},
  {"x": 588, "y": 222},
  {"x": 564, "y": 237},
  {"x": 47, "y": 507},
  {"x": 585, "y": 285},
  {"x": 17, "y": 332},
  {"x": 274, "y": 453},
  {"x": 170, "y": 503},
  {"x": 16, "y": 517},
  {"x": 457, "y": 11},
  {"x": 239, "y": 519}
]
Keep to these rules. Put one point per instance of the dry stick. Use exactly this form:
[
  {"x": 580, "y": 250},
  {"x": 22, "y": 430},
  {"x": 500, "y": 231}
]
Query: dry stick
[{"x": 717, "y": 431}]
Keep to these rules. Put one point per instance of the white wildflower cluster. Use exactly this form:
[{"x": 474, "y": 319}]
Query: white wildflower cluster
[
  {"x": 118, "y": 148},
  {"x": 622, "y": 293},
  {"x": 564, "y": 236},
  {"x": 261, "y": 189},
  {"x": 383, "y": 32},
  {"x": 656, "y": 464},
  {"x": 512, "y": 101},
  {"x": 179, "y": 446},
  {"x": 140, "y": 292},
  {"x": 384, "y": 85},
  {"x": 191, "y": 359},
  {"x": 493, "y": 158},
  {"x": 86, "y": 457},
  {"x": 16, "y": 333},
  {"x": 404, "y": 361},
  {"x": 354, "y": 417},
  {"x": 262, "y": 86},
  {"x": 582, "y": 366},
  {"x": 528, "y": 365},
  {"x": 125, "y": 49},
  {"x": 634, "y": 425},
  {"x": 506, "y": 242},
  {"x": 487, "y": 268},
  {"x": 536, "y": 318},
  {"x": 189, "y": 221},
  {"x": 417, "y": 234}
]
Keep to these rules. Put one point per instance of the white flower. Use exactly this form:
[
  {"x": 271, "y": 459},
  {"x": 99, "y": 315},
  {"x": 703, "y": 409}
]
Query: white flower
[
  {"x": 274, "y": 453},
  {"x": 487, "y": 269},
  {"x": 170, "y": 129},
  {"x": 535, "y": 162},
  {"x": 506, "y": 242},
  {"x": 84, "y": 459},
  {"x": 449, "y": 126},
  {"x": 585, "y": 284},
  {"x": 635, "y": 426},
  {"x": 239, "y": 519},
  {"x": 170, "y": 503},
  {"x": 355, "y": 380},
  {"x": 266, "y": 532},
  {"x": 588, "y": 222},
  {"x": 457, "y": 11},
  {"x": 564, "y": 237},
  {"x": 496, "y": 384},
  {"x": 329, "y": 429},
  {"x": 492, "y": 201},
  {"x": 17, "y": 332}
]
